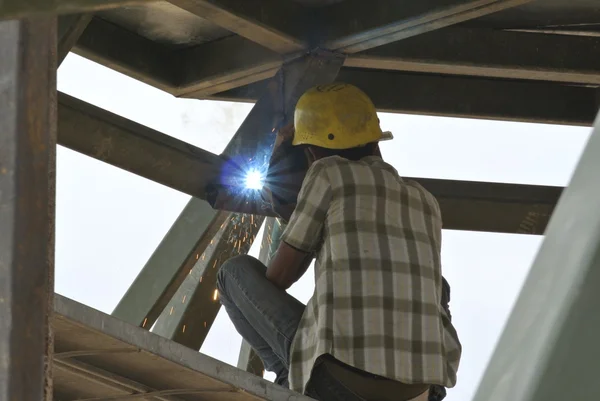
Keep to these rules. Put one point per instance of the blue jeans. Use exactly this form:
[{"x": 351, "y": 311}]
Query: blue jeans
[{"x": 268, "y": 317}]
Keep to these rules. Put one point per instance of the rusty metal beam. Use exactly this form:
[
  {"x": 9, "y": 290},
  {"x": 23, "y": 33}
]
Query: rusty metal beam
[
  {"x": 70, "y": 28},
  {"x": 495, "y": 99},
  {"x": 135, "y": 148},
  {"x": 489, "y": 53},
  {"x": 15, "y": 9},
  {"x": 234, "y": 61},
  {"x": 450, "y": 51},
  {"x": 355, "y": 25},
  {"x": 265, "y": 22},
  {"x": 128, "y": 53},
  {"x": 27, "y": 190}
]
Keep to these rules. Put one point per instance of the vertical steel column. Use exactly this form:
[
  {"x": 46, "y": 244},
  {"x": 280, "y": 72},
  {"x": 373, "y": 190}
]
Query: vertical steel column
[
  {"x": 550, "y": 347},
  {"x": 27, "y": 187}
]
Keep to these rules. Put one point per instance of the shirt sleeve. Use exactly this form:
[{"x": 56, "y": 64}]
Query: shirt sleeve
[{"x": 305, "y": 227}]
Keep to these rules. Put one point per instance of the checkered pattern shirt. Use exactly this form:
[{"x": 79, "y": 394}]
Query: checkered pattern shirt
[{"x": 378, "y": 281}]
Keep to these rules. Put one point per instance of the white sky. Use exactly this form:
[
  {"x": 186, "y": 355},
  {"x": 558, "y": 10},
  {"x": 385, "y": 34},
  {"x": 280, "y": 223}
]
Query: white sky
[{"x": 110, "y": 221}]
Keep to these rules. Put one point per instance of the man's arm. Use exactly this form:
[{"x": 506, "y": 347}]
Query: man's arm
[
  {"x": 287, "y": 266},
  {"x": 301, "y": 238}
]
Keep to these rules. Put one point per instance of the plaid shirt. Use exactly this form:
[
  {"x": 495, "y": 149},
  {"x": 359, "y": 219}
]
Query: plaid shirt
[{"x": 378, "y": 280}]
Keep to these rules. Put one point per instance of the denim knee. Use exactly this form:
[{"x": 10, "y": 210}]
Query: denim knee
[{"x": 231, "y": 268}]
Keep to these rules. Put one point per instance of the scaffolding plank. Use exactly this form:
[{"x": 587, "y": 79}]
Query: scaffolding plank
[
  {"x": 555, "y": 325},
  {"x": 133, "y": 360},
  {"x": 355, "y": 25},
  {"x": 15, "y": 9},
  {"x": 27, "y": 190},
  {"x": 465, "y": 97},
  {"x": 265, "y": 22}
]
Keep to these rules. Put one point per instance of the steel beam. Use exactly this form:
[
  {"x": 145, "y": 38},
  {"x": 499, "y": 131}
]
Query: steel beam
[
  {"x": 493, "y": 207},
  {"x": 495, "y": 99},
  {"x": 170, "y": 264},
  {"x": 235, "y": 61},
  {"x": 250, "y": 361},
  {"x": 265, "y": 22},
  {"x": 190, "y": 313},
  {"x": 70, "y": 28},
  {"x": 15, "y": 9},
  {"x": 555, "y": 325},
  {"x": 489, "y": 53},
  {"x": 450, "y": 51},
  {"x": 355, "y": 25},
  {"x": 135, "y": 148},
  {"x": 128, "y": 53},
  {"x": 27, "y": 189}
]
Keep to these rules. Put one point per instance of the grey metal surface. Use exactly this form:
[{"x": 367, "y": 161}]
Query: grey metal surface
[
  {"x": 170, "y": 264},
  {"x": 495, "y": 99},
  {"x": 549, "y": 348},
  {"x": 14, "y": 9},
  {"x": 100, "y": 356},
  {"x": 165, "y": 23},
  {"x": 27, "y": 188},
  {"x": 189, "y": 315}
]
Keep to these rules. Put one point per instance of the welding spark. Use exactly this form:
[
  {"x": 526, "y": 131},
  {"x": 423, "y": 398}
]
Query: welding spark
[
  {"x": 215, "y": 295},
  {"x": 254, "y": 179}
]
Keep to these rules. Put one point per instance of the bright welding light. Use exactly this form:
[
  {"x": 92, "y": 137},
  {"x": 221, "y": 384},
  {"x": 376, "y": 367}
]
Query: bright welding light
[{"x": 254, "y": 180}]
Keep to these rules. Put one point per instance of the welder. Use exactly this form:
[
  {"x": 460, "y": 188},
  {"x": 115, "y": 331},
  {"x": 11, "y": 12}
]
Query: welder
[{"x": 376, "y": 327}]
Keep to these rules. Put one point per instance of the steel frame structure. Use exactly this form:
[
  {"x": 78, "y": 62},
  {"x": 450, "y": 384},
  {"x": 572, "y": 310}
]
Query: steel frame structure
[{"x": 435, "y": 53}]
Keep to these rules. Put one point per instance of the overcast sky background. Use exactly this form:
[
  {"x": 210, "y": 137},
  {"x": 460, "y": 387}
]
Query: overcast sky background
[{"x": 110, "y": 221}]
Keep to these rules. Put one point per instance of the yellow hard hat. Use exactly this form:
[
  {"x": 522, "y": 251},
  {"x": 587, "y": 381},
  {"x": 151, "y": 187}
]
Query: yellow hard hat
[{"x": 335, "y": 116}]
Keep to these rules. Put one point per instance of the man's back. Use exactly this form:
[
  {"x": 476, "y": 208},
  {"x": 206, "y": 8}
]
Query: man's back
[{"x": 376, "y": 305}]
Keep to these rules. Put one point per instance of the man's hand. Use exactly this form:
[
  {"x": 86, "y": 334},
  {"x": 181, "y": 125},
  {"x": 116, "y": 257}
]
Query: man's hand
[{"x": 287, "y": 266}]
